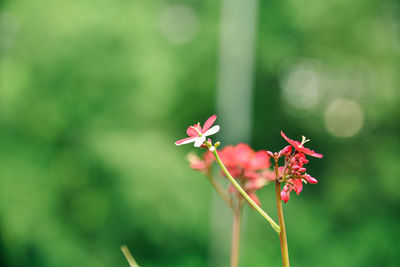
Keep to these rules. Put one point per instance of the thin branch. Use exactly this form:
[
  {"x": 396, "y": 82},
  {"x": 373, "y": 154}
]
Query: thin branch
[
  {"x": 220, "y": 190},
  {"x": 129, "y": 257}
]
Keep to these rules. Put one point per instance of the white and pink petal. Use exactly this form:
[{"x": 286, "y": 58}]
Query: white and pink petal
[
  {"x": 185, "y": 141},
  {"x": 209, "y": 122}
]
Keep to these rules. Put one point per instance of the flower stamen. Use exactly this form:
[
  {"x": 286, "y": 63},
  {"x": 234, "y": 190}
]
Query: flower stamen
[
  {"x": 197, "y": 128},
  {"x": 303, "y": 140}
]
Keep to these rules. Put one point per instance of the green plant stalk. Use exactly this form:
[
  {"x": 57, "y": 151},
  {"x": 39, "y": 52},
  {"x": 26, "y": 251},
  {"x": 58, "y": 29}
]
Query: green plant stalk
[
  {"x": 282, "y": 234},
  {"x": 274, "y": 225},
  {"x": 129, "y": 257},
  {"x": 236, "y": 234}
]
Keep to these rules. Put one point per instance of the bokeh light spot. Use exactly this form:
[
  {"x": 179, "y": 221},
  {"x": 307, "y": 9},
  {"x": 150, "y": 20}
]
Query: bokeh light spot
[
  {"x": 300, "y": 83},
  {"x": 344, "y": 117},
  {"x": 8, "y": 29}
]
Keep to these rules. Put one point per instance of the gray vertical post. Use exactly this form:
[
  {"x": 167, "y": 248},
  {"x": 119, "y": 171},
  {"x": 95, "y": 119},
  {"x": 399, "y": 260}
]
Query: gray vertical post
[
  {"x": 234, "y": 101},
  {"x": 235, "y": 72}
]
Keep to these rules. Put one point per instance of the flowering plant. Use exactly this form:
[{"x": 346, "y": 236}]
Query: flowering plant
[
  {"x": 293, "y": 173},
  {"x": 249, "y": 171}
]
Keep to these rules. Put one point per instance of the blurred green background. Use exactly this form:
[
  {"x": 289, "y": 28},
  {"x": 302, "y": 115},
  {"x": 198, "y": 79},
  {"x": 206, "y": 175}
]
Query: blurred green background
[{"x": 93, "y": 95}]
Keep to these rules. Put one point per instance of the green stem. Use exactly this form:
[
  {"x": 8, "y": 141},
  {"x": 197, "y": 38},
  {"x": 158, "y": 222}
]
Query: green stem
[
  {"x": 282, "y": 234},
  {"x": 245, "y": 195},
  {"x": 236, "y": 235},
  {"x": 129, "y": 257}
]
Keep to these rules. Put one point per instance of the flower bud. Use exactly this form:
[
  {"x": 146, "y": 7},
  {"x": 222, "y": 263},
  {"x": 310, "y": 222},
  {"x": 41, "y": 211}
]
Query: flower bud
[
  {"x": 203, "y": 146},
  {"x": 285, "y": 196},
  {"x": 286, "y": 188},
  {"x": 310, "y": 179},
  {"x": 285, "y": 151},
  {"x": 296, "y": 168}
]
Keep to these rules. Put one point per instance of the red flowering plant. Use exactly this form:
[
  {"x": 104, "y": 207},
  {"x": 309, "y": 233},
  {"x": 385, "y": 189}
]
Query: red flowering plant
[
  {"x": 292, "y": 175},
  {"x": 249, "y": 171}
]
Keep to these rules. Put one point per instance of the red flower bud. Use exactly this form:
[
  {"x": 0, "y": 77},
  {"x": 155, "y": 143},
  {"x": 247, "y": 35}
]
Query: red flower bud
[
  {"x": 310, "y": 179},
  {"x": 285, "y": 151},
  {"x": 302, "y": 170},
  {"x": 285, "y": 196}
]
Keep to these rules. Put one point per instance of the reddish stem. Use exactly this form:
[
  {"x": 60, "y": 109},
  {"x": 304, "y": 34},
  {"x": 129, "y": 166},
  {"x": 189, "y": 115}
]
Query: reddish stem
[{"x": 282, "y": 234}]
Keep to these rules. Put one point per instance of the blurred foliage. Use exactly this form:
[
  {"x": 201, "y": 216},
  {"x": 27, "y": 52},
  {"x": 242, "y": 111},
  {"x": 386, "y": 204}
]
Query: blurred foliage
[{"x": 94, "y": 93}]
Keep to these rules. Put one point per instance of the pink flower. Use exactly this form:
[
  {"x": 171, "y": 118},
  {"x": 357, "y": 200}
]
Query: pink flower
[
  {"x": 256, "y": 183},
  {"x": 248, "y": 167},
  {"x": 300, "y": 146},
  {"x": 242, "y": 161},
  {"x": 202, "y": 165},
  {"x": 198, "y": 134}
]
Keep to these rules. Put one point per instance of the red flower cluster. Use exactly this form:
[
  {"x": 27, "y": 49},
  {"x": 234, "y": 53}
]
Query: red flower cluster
[
  {"x": 293, "y": 173},
  {"x": 249, "y": 168}
]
